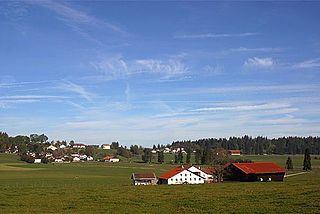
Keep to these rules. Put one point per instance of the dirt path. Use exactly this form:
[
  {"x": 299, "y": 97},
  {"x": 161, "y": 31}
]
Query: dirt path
[{"x": 295, "y": 174}]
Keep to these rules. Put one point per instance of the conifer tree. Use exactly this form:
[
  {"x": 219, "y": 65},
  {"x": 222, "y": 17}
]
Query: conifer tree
[
  {"x": 188, "y": 159},
  {"x": 307, "y": 160},
  {"x": 289, "y": 164},
  {"x": 160, "y": 157},
  {"x": 198, "y": 156},
  {"x": 180, "y": 157},
  {"x": 175, "y": 158}
]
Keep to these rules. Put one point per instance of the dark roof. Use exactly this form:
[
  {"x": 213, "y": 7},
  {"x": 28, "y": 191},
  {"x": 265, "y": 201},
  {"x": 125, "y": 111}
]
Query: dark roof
[
  {"x": 259, "y": 168},
  {"x": 143, "y": 176},
  {"x": 173, "y": 172}
]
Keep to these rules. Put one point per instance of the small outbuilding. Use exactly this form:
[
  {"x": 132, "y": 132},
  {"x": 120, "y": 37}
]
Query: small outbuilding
[
  {"x": 234, "y": 152},
  {"x": 111, "y": 159},
  {"x": 106, "y": 146},
  {"x": 37, "y": 160},
  {"x": 255, "y": 172},
  {"x": 139, "y": 179}
]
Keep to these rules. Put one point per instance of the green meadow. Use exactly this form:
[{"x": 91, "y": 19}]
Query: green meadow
[{"x": 99, "y": 187}]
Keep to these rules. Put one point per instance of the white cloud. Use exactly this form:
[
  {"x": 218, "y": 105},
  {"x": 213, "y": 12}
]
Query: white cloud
[
  {"x": 77, "y": 20},
  {"x": 117, "y": 67},
  {"x": 214, "y": 35},
  {"x": 245, "y": 107},
  {"x": 240, "y": 89},
  {"x": 114, "y": 67},
  {"x": 32, "y": 97},
  {"x": 213, "y": 70},
  {"x": 312, "y": 63},
  {"x": 288, "y": 119},
  {"x": 247, "y": 50},
  {"x": 168, "y": 68},
  {"x": 69, "y": 86},
  {"x": 259, "y": 62}
]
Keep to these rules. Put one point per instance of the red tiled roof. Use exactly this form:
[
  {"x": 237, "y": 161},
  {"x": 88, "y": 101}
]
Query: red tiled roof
[
  {"x": 209, "y": 171},
  {"x": 173, "y": 172},
  {"x": 78, "y": 144},
  {"x": 108, "y": 158},
  {"x": 106, "y": 144},
  {"x": 259, "y": 168},
  {"x": 234, "y": 151}
]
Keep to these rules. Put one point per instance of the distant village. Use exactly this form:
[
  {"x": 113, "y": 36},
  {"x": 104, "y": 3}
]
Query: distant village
[{"x": 60, "y": 152}]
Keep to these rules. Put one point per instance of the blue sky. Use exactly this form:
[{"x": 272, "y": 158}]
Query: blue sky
[{"x": 153, "y": 72}]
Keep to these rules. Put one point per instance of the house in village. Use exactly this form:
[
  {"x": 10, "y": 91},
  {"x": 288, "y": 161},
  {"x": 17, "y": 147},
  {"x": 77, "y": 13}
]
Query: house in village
[
  {"x": 78, "y": 146},
  {"x": 59, "y": 159},
  {"x": 75, "y": 159},
  {"x": 234, "y": 152},
  {"x": 37, "y": 160},
  {"x": 255, "y": 172},
  {"x": 144, "y": 179},
  {"x": 185, "y": 175},
  {"x": 106, "y": 146},
  {"x": 51, "y": 147},
  {"x": 111, "y": 159}
]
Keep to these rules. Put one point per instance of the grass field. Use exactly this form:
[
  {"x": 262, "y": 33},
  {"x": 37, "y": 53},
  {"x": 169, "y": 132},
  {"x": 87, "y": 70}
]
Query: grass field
[{"x": 106, "y": 188}]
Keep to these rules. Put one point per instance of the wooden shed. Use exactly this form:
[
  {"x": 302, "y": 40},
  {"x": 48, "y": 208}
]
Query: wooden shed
[
  {"x": 255, "y": 172},
  {"x": 144, "y": 179}
]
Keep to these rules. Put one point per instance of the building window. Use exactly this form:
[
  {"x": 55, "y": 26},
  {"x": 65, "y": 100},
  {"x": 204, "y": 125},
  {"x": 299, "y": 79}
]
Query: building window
[
  {"x": 176, "y": 179},
  {"x": 199, "y": 179},
  {"x": 171, "y": 179},
  {"x": 181, "y": 174},
  {"x": 195, "y": 179},
  {"x": 185, "y": 175},
  {"x": 190, "y": 175},
  {"x": 180, "y": 179},
  {"x": 190, "y": 179},
  {"x": 185, "y": 179}
]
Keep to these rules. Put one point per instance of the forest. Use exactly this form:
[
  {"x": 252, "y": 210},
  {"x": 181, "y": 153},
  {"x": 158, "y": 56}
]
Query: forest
[
  {"x": 246, "y": 144},
  {"x": 256, "y": 146}
]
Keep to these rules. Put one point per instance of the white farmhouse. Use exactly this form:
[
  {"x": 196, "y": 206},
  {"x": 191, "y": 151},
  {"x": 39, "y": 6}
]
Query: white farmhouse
[
  {"x": 183, "y": 175},
  {"x": 79, "y": 146},
  {"x": 111, "y": 159},
  {"x": 37, "y": 160},
  {"x": 106, "y": 146},
  {"x": 53, "y": 148},
  {"x": 76, "y": 159}
]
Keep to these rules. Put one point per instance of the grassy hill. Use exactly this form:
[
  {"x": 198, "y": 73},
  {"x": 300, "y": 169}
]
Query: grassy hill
[{"x": 99, "y": 187}]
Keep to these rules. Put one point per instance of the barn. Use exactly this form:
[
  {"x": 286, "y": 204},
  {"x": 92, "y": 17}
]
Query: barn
[
  {"x": 255, "y": 172},
  {"x": 139, "y": 179},
  {"x": 234, "y": 152}
]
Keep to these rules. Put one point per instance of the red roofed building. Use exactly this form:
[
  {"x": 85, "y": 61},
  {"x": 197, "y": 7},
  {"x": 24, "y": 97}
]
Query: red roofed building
[
  {"x": 106, "y": 146},
  {"x": 111, "y": 159},
  {"x": 234, "y": 152},
  {"x": 255, "y": 172}
]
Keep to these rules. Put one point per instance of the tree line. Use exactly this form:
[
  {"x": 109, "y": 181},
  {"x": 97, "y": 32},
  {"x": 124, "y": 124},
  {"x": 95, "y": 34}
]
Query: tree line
[{"x": 256, "y": 146}]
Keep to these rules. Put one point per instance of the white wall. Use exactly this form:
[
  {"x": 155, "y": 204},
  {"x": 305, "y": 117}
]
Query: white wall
[{"x": 185, "y": 176}]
